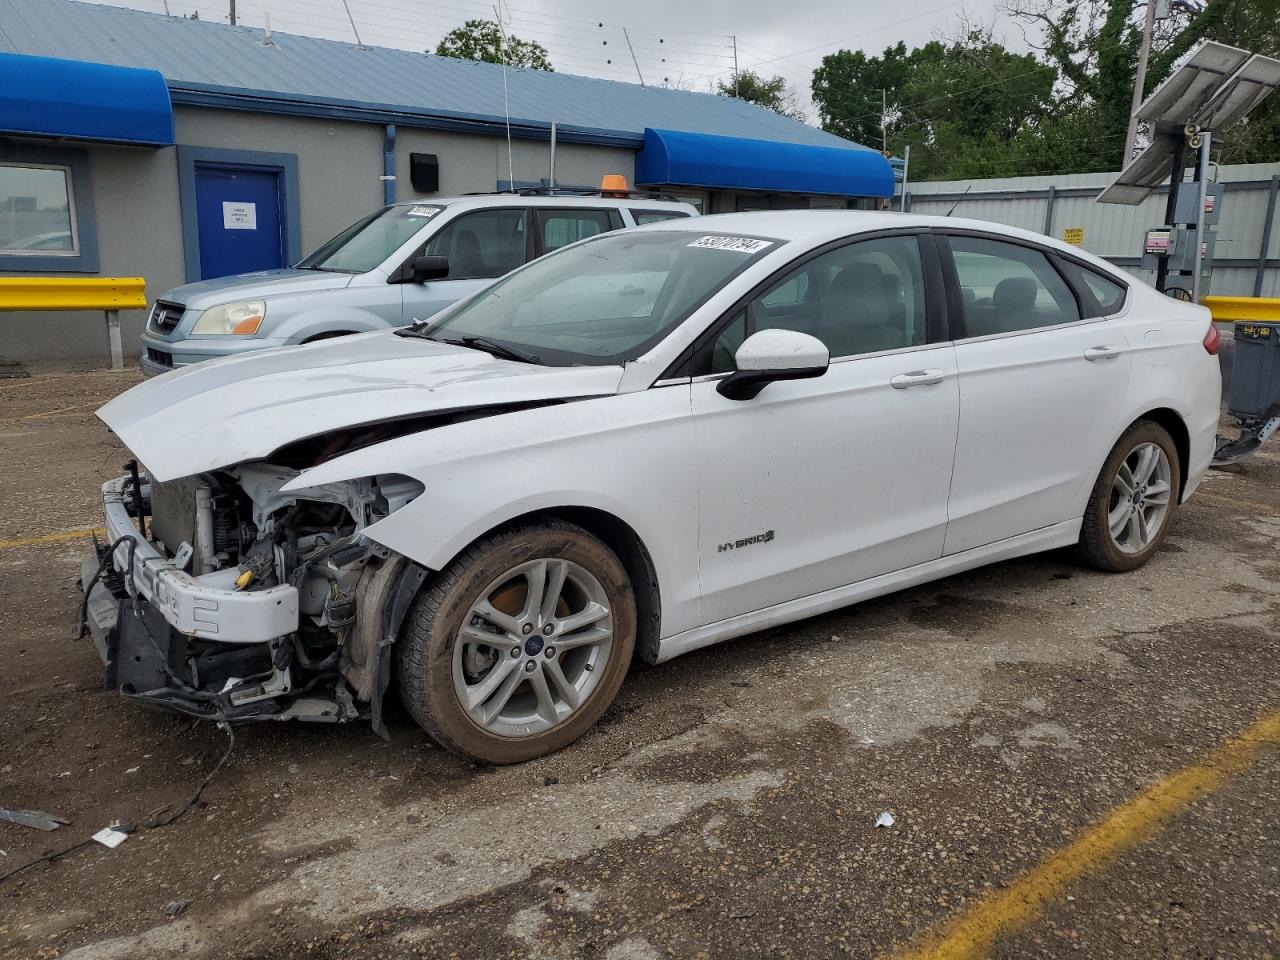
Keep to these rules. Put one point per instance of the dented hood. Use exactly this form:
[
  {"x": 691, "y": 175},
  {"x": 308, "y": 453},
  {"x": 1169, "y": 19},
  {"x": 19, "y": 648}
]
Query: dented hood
[{"x": 223, "y": 412}]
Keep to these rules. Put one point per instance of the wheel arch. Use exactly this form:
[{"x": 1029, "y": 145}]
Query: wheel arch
[
  {"x": 1172, "y": 422},
  {"x": 620, "y": 537}
]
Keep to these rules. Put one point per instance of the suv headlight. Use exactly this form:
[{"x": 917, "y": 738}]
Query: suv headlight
[{"x": 239, "y": 319}]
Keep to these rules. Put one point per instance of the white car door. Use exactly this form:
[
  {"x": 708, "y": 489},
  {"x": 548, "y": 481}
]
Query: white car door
[
  {"x": 1041, "y": 393},
  {"x": 815, "y": 484}
]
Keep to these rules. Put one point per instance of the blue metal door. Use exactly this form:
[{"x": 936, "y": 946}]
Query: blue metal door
[{"x": 238, "y": 215}]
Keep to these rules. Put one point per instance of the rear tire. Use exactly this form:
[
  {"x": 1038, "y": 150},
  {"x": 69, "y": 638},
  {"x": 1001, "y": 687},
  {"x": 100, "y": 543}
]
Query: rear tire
[
  {"x": 1133, "y": 500},
  {"x": 520, "y": 645}
]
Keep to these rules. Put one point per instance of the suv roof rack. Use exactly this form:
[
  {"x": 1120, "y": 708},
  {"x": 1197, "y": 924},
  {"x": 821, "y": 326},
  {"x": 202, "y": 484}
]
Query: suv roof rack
[
  {"x": 596, "y": 192},
  {"x": 576, "y": 192}
]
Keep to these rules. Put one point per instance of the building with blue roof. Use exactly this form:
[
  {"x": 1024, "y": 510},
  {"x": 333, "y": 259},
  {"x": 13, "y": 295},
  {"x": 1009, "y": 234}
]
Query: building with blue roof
[{"x": 115, "y": 124}]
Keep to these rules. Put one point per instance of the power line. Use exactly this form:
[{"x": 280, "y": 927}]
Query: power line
[{"x": 374, "y": 23}]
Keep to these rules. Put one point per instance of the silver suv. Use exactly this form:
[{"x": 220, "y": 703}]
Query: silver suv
[{"x": 401, "y": 263}]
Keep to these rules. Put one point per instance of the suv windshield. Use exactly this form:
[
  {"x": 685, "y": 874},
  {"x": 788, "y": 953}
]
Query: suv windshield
[
  {"x": 603, "y": 301},
  {"x": 368, "y": 242}
]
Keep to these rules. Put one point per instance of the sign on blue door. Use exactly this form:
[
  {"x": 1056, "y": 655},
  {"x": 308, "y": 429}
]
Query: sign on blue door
[{"x": 238, "y": 214}]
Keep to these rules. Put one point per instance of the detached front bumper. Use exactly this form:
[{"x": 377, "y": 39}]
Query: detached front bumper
[
  {"x": 190, "y": 644},
  {"x": 208, "y": 606}
]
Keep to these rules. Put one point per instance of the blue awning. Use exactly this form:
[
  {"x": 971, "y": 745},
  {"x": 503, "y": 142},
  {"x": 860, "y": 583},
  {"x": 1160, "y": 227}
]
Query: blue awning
[
  {"x": 43, "y": 97},
  {"x": 677, "y": 158}
]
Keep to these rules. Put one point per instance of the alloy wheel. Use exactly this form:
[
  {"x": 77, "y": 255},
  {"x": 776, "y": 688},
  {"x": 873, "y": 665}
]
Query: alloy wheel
[
  {"x": 1140, "y": 498},
  {"x": 532, "y": 647}
]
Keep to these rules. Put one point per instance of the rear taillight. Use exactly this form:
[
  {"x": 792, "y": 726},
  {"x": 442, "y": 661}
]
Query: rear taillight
[{"x": 1212, "y": 340}]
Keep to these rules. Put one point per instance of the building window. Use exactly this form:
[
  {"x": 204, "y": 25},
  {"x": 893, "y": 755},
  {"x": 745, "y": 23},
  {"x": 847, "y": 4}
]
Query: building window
[
  {"x": 46, "y": 211},
  {"x": 37, "y": 211}
]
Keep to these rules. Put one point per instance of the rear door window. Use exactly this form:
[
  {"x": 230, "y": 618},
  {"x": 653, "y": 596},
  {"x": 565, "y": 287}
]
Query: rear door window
[
  {"x": 1008, "y": 288},
  {"x": 483, "y": 244},
  {"x": 559, "y": 228}
]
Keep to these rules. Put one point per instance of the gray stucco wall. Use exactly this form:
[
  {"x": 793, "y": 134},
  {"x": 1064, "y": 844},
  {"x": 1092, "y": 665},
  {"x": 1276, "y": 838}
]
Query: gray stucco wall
[
  {"x": 138, "y": 216},
  {"x": 338, "y": 162},
  {"x": 470, "y": 163},
  {"x": 135, "y": 203}
]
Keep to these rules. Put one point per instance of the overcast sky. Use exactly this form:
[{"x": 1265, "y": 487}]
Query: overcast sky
[{"x": 679, "y": 42}]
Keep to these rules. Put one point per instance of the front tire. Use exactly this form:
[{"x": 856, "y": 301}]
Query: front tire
[
  {"x": 1133, "y": 500},
  {"x": 519, "y": 646}
]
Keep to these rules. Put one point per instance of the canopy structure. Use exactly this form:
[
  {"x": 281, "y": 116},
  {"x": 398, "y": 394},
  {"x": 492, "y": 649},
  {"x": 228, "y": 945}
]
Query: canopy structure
[
  {"x": 678, "y": 158},
  {"x": 74, "y": 99}
]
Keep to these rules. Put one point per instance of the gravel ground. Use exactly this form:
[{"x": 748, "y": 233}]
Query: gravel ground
[{"x": 725, "y": 805}]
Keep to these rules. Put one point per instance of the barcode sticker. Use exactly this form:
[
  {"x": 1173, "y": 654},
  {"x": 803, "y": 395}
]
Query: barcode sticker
[{"x": 736, "y": 244}]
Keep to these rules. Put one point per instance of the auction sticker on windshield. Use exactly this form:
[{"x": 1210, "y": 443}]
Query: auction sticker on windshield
[
  {"x": 423, "y": 211},
  {"x": 739, "y": 244}
]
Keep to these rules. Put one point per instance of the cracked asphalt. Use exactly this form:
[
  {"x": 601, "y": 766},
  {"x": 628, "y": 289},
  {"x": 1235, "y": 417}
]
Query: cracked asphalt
[{"x": 724, "y": 807}]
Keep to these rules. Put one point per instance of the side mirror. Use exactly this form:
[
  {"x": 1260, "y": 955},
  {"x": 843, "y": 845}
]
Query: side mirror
[
  {"x": 429, "y": 268},
  {"x": 774, "y": 355}
]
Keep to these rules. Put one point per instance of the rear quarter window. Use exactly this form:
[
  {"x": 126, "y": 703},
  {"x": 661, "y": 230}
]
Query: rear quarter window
[
  {"x": 1101, "y": 295},
  {"x": 642, "y": 217}
]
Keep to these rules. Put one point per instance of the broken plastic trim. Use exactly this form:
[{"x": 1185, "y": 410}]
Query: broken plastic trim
[{"x": 393, "y": 614}]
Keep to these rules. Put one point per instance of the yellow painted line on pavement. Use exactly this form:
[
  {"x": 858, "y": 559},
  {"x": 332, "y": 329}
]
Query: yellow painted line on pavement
[
  {"x": 61, "y": 537},
  {"x": 972, "y": 934}
]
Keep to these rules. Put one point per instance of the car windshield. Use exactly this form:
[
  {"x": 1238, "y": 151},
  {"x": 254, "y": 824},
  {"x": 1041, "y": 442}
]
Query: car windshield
[
  {"x": 368, "y": 242},
  {"x": 603, "y": 301}
]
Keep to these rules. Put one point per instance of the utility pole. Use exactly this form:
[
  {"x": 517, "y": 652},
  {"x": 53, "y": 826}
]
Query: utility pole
[
  {"x": 232, "y": 15},
  {"x": 1139, "y": 81},
  {"x": 735, "y": 65},
  {"x": 884, "y": 110}
]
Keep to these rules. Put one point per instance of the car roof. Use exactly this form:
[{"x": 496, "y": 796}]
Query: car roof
[
  {"x": 545, "y": 200},
  {"x": 815, "y": 227}
]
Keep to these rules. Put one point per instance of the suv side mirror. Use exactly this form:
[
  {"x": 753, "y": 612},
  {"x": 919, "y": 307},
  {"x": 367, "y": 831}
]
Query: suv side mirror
[
  {"x": 774, "y": 355},
  {"x": 429, "y": 268}
]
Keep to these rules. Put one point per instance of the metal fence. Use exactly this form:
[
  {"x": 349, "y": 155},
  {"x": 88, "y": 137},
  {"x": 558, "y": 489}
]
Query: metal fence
[{"x": 1247, "y": 253}]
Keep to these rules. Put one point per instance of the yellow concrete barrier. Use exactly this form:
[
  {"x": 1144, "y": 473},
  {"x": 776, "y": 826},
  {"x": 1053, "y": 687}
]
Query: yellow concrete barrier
[
  {"x": 110, "y": 294},
  {"x": 1233, "y": 309}
]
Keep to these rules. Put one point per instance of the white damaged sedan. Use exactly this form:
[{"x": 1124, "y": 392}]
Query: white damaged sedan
[{"x": 636, "y": 446}]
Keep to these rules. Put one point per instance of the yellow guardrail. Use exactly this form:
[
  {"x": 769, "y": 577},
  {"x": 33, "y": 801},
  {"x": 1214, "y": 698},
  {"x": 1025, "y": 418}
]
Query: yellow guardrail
[
  {"x": 110, "y": 294},
  {"x": 1234, "y": 309},
  {"x": 72, "y": 293}
]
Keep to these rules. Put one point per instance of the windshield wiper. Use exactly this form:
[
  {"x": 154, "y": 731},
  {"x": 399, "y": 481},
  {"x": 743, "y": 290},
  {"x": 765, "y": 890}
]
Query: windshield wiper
[{"x": 493, "y": 347}]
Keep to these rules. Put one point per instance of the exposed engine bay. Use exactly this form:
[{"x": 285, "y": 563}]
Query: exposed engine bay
[{"x": 225, "y": 597}]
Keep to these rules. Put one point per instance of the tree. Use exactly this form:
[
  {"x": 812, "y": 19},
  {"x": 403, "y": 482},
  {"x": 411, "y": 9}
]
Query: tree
[
  {"x": 1094, "y": 44},
  {"x": 483, "y": 40},
  {"x": 846, "y": 89},
  {"x": 768, "y": 92},
  {"x": 967, "y": 106}
]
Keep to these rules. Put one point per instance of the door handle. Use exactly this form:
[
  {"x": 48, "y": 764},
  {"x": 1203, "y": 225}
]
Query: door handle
[
  {"x": 1102, "y": 353},
  {"x": 917, "y": 378}
]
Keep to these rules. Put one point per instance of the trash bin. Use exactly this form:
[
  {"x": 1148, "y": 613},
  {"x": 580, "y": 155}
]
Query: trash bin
[
  {"x": 1255, "y": 371},
  {"x": 1253, "y": 398}
]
